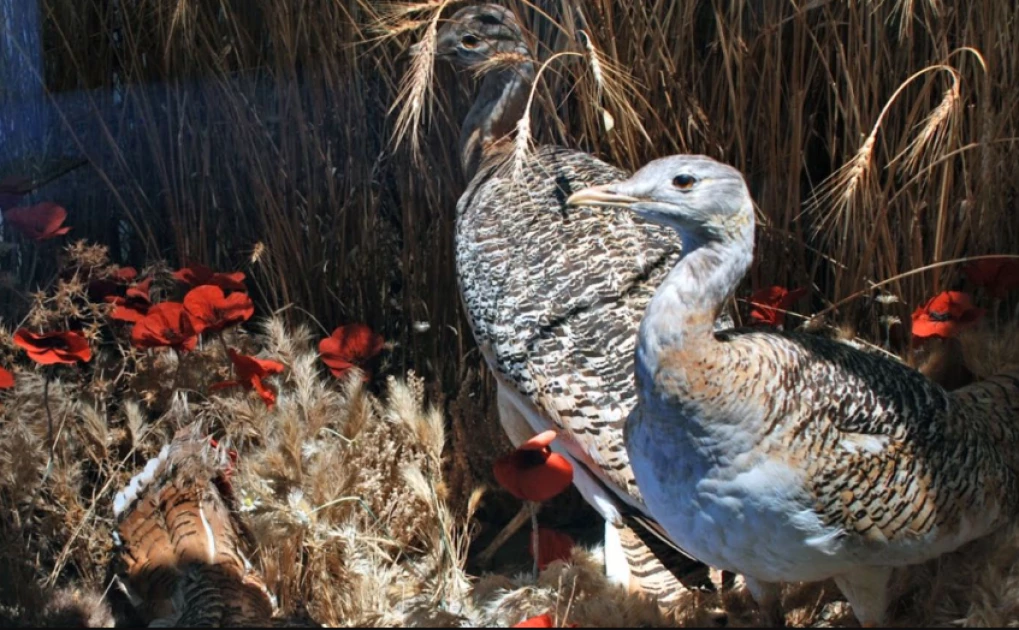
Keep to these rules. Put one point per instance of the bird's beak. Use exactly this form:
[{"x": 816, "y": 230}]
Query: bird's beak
[{"x": 600, "y": 196}]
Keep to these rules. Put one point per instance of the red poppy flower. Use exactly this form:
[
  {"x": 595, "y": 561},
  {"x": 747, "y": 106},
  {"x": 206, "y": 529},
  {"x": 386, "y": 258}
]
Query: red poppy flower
[
  {"x": 541, "y": 621},
  {"x": 125, "y": 274},
  {"x": 533, "y": 472},
  {"x": 38, "y": 222},
  {"x": 166, "y": 324},
  {"x": 944, "y": 315},
  {"x": 135, "y": 304},
  {"x": 6, "y": 379},
  {"x": 552, "y": 546},
  {"x": 196, "y": 275},
  {"x": 56, "y": 347},
  {"x": 997, "y": 275},
  {"x": 250, "y": 372},
  {"x": 140, "y": 291},
  {"x": 212, "y": 310},
  {"x": 353, "y": 345},
  {"x": 767, "y": 306}
]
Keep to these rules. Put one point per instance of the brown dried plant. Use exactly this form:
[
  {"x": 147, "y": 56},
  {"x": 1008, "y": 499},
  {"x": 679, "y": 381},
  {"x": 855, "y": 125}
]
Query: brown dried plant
[{"x": 414, "y": 97}]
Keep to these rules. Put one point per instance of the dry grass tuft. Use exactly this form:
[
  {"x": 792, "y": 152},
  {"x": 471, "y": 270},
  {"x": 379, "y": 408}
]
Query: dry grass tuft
[
  {"x": 414, "y": 97},
  {"x": 73, "y": 608},
  {"x": 614, "y": 89}
]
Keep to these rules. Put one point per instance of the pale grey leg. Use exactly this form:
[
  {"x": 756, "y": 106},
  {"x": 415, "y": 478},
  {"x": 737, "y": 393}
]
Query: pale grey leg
[
  {"x": 766, "y": 595},
  {"x": 617, "y": 567},
  {"x": 866, "y": 590}
]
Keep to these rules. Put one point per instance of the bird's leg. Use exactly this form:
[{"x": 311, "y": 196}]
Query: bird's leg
[
  {"x": 721, "y": 579},
  {"x": 518, "y": 430},
  {"x": 866, "y": 590},
  {"x": 766, "y": 595},
  {"x": 617, "y": 566},
  {"x": 535, "y": 547}
]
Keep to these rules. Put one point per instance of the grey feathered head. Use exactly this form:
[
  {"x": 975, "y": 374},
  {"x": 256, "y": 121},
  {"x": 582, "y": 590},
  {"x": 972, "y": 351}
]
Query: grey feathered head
[
  {"x": 696, "y": 195},
  {"x": 479, "y": 34}
]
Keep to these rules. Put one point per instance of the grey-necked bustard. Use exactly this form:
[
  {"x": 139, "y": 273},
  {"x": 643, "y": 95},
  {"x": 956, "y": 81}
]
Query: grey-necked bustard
[
  {"x": 554, "y": 298},
  {"x": 792, "y": 457}
]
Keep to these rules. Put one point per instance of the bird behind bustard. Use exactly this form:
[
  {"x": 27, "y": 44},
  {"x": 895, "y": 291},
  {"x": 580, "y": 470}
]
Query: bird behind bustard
[
  {"x": 791, "y": 457},
  {"x": 554, "y": 297}
]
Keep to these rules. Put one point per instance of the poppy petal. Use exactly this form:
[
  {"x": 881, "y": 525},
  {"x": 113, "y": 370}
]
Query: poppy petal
[
  {"x": 265, "y": 392},
  {"x": 248, "y": 367},
  {"x": 212, "y": 310},
  {"x": 140, "y": 291},
  {"x": 944, "y": 315},
  {"x": 167, "y": 324},
  {"x": 124, "y": 313},
  {"x": 767, "y": 305},
  {"x": 198, "y": 275},
  {"x": 552, "y": 546},
  {"x": 997, "y": 275},
  {"x": 125, "y": 274},
  {"x": 541, "y": 483},
  {"x": 541, "y": 621},
  {"x": 353, "y": 345},
  {"x": 533, "y": 473},
  {"x": 53, "y": 348},
  {"x": 251, "y": 371},
  {"x": 6, "y": 379},
  {"x": 38, "y": 222},
  {"x": 539, "y": 441}
]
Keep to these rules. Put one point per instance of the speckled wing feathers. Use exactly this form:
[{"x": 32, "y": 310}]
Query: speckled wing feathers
[
  {"x": 555, "y": 295},
  {"x": 905, "y": 469}
]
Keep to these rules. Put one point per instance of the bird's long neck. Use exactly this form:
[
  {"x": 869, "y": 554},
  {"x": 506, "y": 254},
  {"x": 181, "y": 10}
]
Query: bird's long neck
[
  {"x": 501, "y": 102},
  {"x": 678, "y": 327}
]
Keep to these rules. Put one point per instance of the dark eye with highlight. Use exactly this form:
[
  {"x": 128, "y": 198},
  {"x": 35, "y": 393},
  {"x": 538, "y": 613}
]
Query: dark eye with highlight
[
  {"x": 684, "y": 182},
  {"x": 470, "y": 41}
]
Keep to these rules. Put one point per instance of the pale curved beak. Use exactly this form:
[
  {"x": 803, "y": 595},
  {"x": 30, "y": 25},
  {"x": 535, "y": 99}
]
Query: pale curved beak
[{"x": 600, "y": 196}]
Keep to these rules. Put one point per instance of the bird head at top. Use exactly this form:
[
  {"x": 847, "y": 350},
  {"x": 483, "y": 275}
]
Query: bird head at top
[
  {"x": 701, "y": 198},
  {"x": 480, "y": 34}
]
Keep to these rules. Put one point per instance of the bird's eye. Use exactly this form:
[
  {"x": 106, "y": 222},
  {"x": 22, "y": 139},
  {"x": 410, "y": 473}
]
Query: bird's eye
[
  {"x": 470, "y": 41},
  {"x": 684, "y": 182}
]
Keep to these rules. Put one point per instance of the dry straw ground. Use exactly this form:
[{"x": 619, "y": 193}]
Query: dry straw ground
[{"x": 877, "y": 137}]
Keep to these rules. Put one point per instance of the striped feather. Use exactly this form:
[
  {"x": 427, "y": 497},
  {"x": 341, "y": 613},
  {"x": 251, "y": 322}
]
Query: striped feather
[{"x": 180, "y": 544}]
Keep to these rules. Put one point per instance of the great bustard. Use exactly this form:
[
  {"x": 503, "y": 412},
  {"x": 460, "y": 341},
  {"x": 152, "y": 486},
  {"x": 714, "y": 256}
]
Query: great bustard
[
  {"x": 180, "y": 544},
  {"x": 792, "y": 457},
  {"x": 554, "y": 298}
]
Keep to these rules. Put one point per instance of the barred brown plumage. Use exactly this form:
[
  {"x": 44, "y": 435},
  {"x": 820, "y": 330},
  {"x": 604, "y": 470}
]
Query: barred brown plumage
[
  {"x": 180, "y": 544},
  {"x": 787, "y": 456},
  {"x": 554, "y": 297}
]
